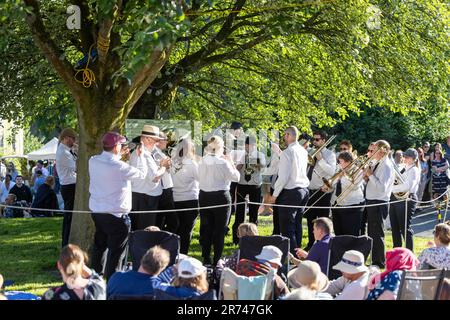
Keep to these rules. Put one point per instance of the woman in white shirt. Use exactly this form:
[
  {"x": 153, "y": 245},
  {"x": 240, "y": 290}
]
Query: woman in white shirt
[
  {"x": 411, "y": 177},
  {"x": 347, "y": 193},
  {"x": 184, "y": 172},
  {"x": 6, "y": 185},
  {"x": 215, "y": 171}
]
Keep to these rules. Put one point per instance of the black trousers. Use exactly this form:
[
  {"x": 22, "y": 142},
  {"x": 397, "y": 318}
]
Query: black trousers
[
  {"x": 397, "y": 218},
  {"x": 68, "y": 195},
  {"x": 233, "y": 187},
  {"x": 111, "y": 233},
  {"x": 347, "y": 221},
  {"x": 167, "y": 221},
  {"x": 186, "y": 224},
  {"x": 213, "y": 223},
  {"x": 143, "y": 202},
  {"x": 254, "y": 193},
  {"x": 289, "y": 217},
  {"x": 275, "y": 217},
  {"x": 313, "y": 213},
  {"x": 375, "y": 230}
]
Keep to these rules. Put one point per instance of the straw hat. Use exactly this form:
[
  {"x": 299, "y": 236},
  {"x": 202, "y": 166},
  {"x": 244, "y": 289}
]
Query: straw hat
[
  {"x": 307, "y": 273},
  {"x": 150, "y": 131}
]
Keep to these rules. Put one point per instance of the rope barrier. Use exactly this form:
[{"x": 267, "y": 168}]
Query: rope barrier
[{"x": 226, "y": 205}]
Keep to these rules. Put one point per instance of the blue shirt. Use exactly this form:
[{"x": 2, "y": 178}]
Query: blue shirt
[
  {"x": 319, "y": 253},
  {"x": 137, "y": 283},
  {"x": 180, "y": 292}
]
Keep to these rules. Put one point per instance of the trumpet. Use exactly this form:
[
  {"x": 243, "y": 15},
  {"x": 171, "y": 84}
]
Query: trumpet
[{"x": 314, "y": 152}]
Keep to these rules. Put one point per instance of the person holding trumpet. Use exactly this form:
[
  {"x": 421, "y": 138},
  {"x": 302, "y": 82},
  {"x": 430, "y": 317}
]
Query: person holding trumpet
[
  {"x": 348, "y": 191},
  {"x": 380, "y": 180},
  {"x": 407, "y": 188},
  {"x": 322, "y": 165}
]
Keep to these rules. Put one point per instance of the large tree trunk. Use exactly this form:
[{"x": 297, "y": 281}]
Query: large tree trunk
[{"x": 95, "y": 118}]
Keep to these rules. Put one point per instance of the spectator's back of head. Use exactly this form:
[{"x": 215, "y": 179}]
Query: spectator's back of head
[
  {"x": 71, "y": 262},
  {"x": 247, "y": 229},
  {"x": 155, "y": 260},
  {"x": 50, "y": 180},
  {"x": 442, "y": 233},
  {"x": 325, "y": 224}
]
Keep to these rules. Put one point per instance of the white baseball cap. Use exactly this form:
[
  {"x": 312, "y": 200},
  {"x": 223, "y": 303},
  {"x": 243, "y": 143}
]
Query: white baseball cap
[{"x": 190, "y": 268}]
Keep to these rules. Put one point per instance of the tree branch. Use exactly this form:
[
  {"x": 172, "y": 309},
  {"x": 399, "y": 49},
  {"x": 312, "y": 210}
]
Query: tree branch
[
  {"x": 50, "y": 50},
  {"x": 87, "y": 29}
]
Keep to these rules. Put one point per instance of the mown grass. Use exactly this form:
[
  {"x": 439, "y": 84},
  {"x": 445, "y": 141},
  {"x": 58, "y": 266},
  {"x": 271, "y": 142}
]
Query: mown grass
[{"x": 29, "y": 249}]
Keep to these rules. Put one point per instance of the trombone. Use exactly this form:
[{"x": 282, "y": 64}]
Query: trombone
[
  {"x": 362, "y": 163},
  {"x": 314, "y": 152}
]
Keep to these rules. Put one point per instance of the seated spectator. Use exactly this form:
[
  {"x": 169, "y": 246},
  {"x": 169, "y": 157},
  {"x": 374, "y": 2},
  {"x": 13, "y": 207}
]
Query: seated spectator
[
  {"x": 143, "y": 281},
  {"x": 352, "y": 285},
  {"x": 45, "y": 198},
  {"x": 190, "y": 280},
  {"x": 309, "y": 282},
  {"x": 437, "y": 257},
  {"x": 22, "y": 191},
  {"x": 10, "y": 212},
  {"x": 5, "y": 187},
  {"x": 80, "y": 282},
  {"x": 323, "y": 229},
  {"x": 38, "y": 181},
  {"x": 385, "y": 286},
  {"x": 244, "y": 229},
  {"x": 269, "y": 258}
]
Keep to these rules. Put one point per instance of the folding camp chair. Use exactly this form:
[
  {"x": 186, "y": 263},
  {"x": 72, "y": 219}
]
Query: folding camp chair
[
  {"x": 251, "y": 246},
  {"x": 421, "y": 284},
  {"x": 140, "y": 241},
  {"x": 340, "y": 244},
  {"x": 235, "y": 287}
]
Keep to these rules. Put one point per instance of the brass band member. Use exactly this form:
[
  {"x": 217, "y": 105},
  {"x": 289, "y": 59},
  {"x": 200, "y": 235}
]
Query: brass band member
[
  {"x": 410, "y": 185},
  {"x": 291, "y": 187},
  {"x": 325, "y": 167},
  {"x": 216, "y": 171},
  {"x": 249, "y": 184},
  {"x": 380, "y": 180},
  {"x": 348, "y": 191}
]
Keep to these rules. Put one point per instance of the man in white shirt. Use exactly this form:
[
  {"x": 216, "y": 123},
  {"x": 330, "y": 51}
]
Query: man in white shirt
[
  {"x": 380, "y": 180},
  {"x": 66, "y": 167},
  {"x": 147, "y": 192},
  {"x": 291, "y": 187},
  {"x": 250, "y": 182},
  {"x": 110, "y": 202},
  {"x": 324, "y": 167},
  {"x": 399, "y": 220},
  {"x": 165, "y": 221}
]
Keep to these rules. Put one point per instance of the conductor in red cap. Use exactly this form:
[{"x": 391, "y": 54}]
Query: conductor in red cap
[{"x": 110, "y": 202}]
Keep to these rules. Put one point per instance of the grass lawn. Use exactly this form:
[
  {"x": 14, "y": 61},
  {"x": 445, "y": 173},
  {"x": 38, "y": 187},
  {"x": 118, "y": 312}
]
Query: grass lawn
[{"x": 29, "y": 249}]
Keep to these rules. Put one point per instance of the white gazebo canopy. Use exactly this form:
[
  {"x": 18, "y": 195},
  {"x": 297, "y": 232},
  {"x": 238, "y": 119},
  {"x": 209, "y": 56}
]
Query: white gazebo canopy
[{"x": 47, "y": 152}]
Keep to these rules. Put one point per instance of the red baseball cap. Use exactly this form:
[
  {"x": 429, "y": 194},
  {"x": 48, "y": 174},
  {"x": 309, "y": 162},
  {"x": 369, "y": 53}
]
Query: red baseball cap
[{"x": 111, "y": 139}]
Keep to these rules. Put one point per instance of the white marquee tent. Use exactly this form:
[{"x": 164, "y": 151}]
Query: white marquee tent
[{"x": 47, "y": 152}]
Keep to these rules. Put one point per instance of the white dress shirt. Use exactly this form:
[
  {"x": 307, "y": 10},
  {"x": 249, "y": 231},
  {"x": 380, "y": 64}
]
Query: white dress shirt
[
  {"x": 146, "y": 186},
  {"x": 272, "y": 169},
  {"x": 324, "y": 168},
  {"x": 292, "y": 169},
  {"x": 215, "y": 173},
  {"x": 256, "y": 177},
  {"x": 66, "y": 165},
  {"x": 379, "y": 186},
  {"x": 166, "y": 179},
  {"x": 355, "y": 194},
  {"x": 185, "y": 180},
  {"x": 110, "y": 183},
  {"x": 412, "y": 180},
  {"x": 4, "y": 191}
]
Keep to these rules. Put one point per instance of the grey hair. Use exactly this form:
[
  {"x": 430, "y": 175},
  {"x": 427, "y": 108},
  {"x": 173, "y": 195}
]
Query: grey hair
[{"x": 293, "y": 131}]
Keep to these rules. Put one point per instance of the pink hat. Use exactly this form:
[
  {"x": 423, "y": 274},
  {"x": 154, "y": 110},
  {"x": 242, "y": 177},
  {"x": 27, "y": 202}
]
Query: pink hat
[{"x": 111, "y": 139}]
